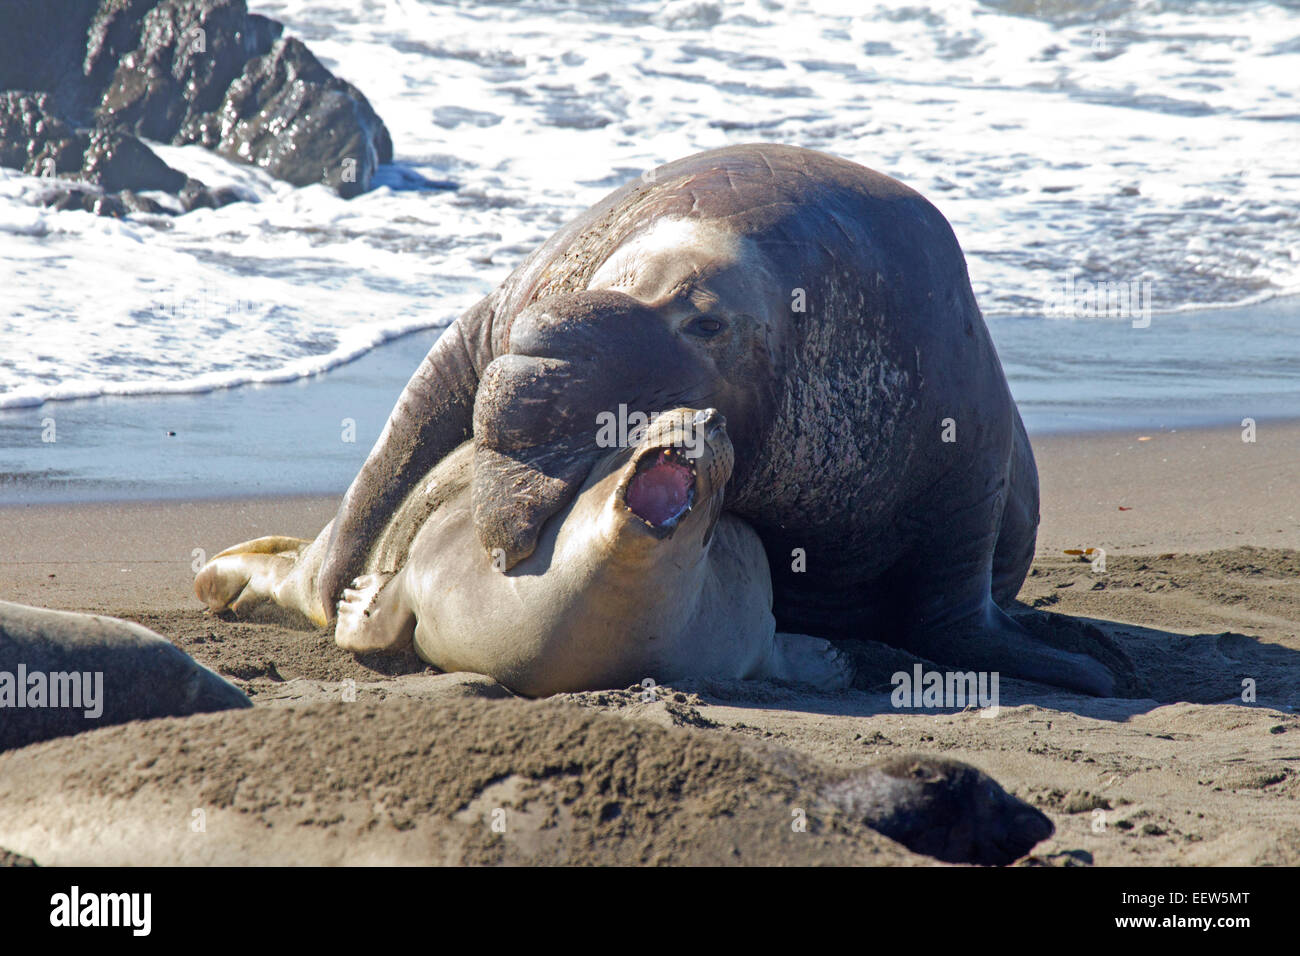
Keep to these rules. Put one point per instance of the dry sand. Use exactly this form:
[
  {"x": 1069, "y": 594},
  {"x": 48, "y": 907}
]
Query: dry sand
[{"x": 1201, "y": 591}]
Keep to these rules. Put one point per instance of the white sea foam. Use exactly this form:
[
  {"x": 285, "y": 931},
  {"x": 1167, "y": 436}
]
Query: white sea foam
[{"x": 1149, "y": 140}]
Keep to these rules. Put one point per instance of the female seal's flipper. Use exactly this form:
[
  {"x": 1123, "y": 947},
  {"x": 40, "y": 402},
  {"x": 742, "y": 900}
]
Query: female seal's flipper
[
  {"x": 374, "y": 615},
  {"x": 270, "y": 570},
  {"x": 241, "y": 577}
]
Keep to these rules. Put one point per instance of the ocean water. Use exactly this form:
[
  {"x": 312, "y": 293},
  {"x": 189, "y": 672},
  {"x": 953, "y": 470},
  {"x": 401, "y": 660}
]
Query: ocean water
[
  {"x": 311, "y": 435},
  {"x": 1148, "y": 149}
]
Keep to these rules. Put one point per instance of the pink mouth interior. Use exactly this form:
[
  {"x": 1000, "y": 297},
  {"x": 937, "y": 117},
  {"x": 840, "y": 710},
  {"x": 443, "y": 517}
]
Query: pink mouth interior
[{"x": 662, "y": 491}]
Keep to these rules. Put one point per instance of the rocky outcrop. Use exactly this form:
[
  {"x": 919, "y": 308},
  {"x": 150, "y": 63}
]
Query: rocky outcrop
[
  {"x": 161, "y": 65},
  {"x": 87, "y": 80},
  {"x": 291, "y": 116},
  {"x": 116, "y": 166}
]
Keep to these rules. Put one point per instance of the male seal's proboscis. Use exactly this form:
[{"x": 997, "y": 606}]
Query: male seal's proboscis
[
  {"x": 826, "y": 311},
  {"x": 642, "y": 575}
]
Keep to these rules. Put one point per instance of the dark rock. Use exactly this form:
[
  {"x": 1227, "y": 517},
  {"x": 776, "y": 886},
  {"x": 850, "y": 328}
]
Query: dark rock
[
  {"x": 117, "y": 161},
  {"x": 197, "y": 196},
  {"x": 38, "y": 142},
  {"x": 42, "y": 46},
  {"x": 174, "y": 59},
  {"x": 34, "y": 139},
  {"x": 89, "y": 78},
  {"x": 137, "y": 203},
  {"x": 85, "y": 200},
  {"x": 291, "y": 116}
]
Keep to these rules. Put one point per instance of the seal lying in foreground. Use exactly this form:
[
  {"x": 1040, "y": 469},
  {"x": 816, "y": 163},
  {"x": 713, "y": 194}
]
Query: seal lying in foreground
[
  {"x": 63, "y": 673},
  {"x": 641, "y": 576},
  {"x": 408, "y": 781},
  {"x": 826, "y": 311}
]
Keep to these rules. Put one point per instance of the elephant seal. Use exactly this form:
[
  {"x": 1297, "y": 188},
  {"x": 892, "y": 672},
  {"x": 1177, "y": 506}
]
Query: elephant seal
[
  {"x": 641, "y": 575},
  {"x": 826, "y": 311},
  {"x": 943, "y": 808},
  {"x": 422, "y": 782},
  {"x": 63, "y": 673}
]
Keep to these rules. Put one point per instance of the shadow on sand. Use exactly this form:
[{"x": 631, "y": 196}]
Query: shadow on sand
[{"x": 1156, "y": 667}]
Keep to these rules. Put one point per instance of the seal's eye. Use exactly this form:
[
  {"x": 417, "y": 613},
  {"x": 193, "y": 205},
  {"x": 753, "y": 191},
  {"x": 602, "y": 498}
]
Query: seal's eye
[{"x": 704, "y": 326}]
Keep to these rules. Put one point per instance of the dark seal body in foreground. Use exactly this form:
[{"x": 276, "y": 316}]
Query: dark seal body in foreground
[
  {"x": 63, "y": 673},
  {"x": 826, "y": 311}
]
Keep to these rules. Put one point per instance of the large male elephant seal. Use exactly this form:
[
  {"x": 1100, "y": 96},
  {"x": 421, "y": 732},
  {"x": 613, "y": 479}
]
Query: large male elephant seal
[
  {"x": 640, "y": 576},
  {"x": 826, "y": 311},
  {"x": 63, "y": 673}
]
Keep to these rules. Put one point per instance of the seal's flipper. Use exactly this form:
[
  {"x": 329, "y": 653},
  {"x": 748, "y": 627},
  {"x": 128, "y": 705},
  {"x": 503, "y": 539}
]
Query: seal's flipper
[
  {"x": 270, "y": 544},
  {"x": 374, "y": 615},
  {"x": 274, "y": 569},
  {"x": 1018, "y": 524},
  {"x": 809, "y": 660},
  {"x": 991, "y": 641},
  {"x": 239, "y": 582},
  {"x": 953, "y": 619}
]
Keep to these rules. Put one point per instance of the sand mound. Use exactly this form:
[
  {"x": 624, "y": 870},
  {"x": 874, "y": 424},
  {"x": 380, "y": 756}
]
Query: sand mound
[
  {"x": 1188, "y": 772},
  {"x": 418, "y": 782}
]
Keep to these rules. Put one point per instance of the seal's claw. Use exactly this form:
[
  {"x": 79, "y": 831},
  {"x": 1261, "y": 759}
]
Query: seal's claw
[{"x": 360, "y": 624}]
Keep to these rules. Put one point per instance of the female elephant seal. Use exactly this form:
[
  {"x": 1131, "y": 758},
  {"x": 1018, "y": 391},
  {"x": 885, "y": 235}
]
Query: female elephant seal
[
  {"x": 826, "y": 311},
  {"x": 640, "y": 575}
]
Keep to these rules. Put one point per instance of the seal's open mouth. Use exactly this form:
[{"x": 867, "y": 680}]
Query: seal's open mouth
[{"x": 663, "y": 488}]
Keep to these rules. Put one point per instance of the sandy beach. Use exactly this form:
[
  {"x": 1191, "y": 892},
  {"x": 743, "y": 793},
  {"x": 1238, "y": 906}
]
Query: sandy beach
[{"x": 1201, "y": 591}]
